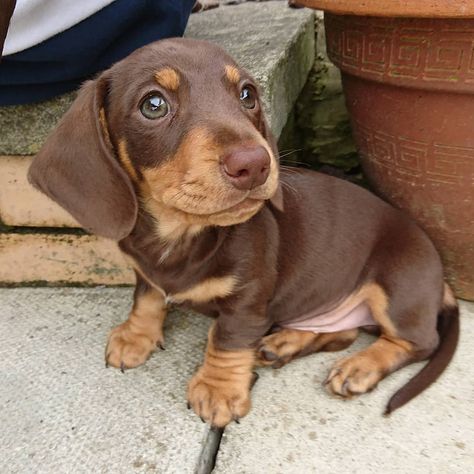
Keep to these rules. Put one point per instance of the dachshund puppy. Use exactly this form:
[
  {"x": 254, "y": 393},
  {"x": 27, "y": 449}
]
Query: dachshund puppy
[{"x": 168, "y": 152}]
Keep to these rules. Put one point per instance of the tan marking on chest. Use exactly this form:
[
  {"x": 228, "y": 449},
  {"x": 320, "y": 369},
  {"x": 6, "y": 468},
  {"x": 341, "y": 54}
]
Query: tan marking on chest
[
  {"x": 173, "y": 225},
  {"x": 207, "y": 290}
]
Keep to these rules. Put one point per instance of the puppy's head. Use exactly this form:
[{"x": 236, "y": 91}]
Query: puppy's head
[{"x": 176, "y": 127}]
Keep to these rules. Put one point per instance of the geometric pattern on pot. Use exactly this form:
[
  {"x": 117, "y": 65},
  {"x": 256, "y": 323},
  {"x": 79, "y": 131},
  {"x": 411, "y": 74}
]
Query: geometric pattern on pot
[
  {"x": 413, "y": 52},
  {"x": 437, "y": 162}
]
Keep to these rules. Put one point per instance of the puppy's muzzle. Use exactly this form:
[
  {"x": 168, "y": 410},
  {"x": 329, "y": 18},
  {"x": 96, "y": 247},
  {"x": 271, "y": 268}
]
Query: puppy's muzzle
[{"x": 246, "y": 168}]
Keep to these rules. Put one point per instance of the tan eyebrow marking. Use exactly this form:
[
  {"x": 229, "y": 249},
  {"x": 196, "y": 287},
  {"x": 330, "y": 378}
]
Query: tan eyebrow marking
[
  {"x": 125, "y": 160},
  {"x": 232, "y": 74},
  {"x": 167, "y": 78}
]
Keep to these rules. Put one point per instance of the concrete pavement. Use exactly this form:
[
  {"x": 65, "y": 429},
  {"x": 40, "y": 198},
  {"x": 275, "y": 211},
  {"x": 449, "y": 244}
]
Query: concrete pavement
[{"x": 62, "y": 411}]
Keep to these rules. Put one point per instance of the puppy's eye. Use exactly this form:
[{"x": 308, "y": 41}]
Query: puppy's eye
[
  {"x": 154, "y": 106},
  {"x": 248, "y": 98}
]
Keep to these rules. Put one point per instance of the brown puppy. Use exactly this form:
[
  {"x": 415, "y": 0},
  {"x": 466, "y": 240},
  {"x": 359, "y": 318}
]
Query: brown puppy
[{"x": 168, "y": 152}]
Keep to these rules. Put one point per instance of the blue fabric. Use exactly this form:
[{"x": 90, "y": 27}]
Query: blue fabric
[{"x": 62, "y": 62}]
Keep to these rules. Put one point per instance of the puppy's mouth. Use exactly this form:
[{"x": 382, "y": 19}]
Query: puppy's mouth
[
  {"x": 215, "y": 203},
  {"x": 243, "y": 207}
]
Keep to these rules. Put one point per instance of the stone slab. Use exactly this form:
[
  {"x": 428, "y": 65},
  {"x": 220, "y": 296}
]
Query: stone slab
[
  {"x": 275, "y": 43},
  {"x": 23, "y": 205},
  {"x": 62, "y": 412},
  {"x": 295, "y": 427},
  {"x": 61, "y": 258},
  {"x": 24, "y": 128}
]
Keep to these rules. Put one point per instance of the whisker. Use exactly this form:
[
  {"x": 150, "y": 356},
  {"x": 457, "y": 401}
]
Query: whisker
[
  {"x": 294, "y": 163},
  {"x": 288, "y": 153},
  {"x": 290, "y": 188},
  {"x": 289, "y": 169}
]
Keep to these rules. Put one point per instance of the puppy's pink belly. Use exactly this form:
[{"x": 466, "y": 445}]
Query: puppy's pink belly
[{"x": 342, "y": 318}]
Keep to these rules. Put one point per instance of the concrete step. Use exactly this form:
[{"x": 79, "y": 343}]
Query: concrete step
[
  {"x": 21, "y": 204},
  {"x": 57, "y": 258}
]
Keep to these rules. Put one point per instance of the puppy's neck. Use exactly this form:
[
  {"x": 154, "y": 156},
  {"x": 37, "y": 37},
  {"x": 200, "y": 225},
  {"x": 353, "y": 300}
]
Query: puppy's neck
[
  {"x": 171, "y": 225},
  {"x": 160, "y": 243}
]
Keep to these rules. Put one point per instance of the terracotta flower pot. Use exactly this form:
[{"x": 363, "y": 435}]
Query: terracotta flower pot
[{"x": 409, "y": 86}]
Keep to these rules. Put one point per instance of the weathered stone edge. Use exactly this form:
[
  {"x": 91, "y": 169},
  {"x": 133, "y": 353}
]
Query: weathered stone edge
[
  {"x": 294, "y": 63},
  {"x": 41, "y": 259}
]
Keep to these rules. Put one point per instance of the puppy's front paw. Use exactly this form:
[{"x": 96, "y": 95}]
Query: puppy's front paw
[
  {"x": 353, "y": 376},
  {"x": 129, "y": 347},
  {"x": 219, "y": 399}
]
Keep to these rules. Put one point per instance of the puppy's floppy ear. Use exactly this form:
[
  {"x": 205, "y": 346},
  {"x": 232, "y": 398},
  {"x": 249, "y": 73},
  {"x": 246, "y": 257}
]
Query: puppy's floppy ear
[
  {"x": 277, "y": 198},
  {"x": 76, "y": 168}
]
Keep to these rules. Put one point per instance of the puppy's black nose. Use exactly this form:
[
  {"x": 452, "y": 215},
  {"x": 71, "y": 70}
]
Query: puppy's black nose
[{"x": 247, "y": 168}]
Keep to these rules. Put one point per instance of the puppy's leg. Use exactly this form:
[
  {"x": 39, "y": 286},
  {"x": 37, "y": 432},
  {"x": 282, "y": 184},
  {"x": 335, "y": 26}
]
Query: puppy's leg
[
  {"x": 131, "y": 343},
  {"x": 283, "y": 346},
  {"x": 408, "y": 333},
  {"x": 220, "y": 391},
  {"x": 361, "y": 372}
]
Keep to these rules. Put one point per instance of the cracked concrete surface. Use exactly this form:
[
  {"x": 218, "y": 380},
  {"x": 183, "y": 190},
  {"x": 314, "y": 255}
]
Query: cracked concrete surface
[
  {"x": 296, "y": 427},
  {"x": 62, "y": 411}
]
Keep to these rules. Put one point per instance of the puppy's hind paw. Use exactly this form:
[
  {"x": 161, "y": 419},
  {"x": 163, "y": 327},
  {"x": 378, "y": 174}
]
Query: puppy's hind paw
[{"x": 352, "y": 376}]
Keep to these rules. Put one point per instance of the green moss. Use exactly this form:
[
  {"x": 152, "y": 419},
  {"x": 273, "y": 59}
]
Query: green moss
[
  {"x": 6, "y": 229},
  {"x": 318, "y": 133}
]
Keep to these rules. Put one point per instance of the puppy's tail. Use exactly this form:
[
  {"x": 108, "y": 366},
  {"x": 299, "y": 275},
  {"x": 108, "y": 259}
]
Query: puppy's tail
[{"x": 448, "y": 330}]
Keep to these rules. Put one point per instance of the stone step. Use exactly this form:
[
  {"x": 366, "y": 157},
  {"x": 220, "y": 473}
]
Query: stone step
[
  {"x": 41, "y": 258},
  {"x": 23, "y": 205}
]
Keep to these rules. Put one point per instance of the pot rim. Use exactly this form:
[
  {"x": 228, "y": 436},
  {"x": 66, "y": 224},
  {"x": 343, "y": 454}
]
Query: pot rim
[{"x": 395, "y": 8}]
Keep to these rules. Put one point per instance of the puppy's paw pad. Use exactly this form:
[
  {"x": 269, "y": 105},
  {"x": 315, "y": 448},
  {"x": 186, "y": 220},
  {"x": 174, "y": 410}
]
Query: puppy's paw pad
[
  {"x": 216, "y": 402},
  {"x": 353, "y": 376},
  {"x": 127, "y": 348}
]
